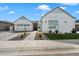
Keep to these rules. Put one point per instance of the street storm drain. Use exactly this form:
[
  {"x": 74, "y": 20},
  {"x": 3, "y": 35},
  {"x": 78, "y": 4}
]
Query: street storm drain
[{"x": 19, "y": 37}]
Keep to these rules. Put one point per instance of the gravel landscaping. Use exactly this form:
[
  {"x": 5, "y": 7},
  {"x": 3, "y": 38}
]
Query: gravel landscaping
[
  {"x": 11, "y": 36},
  {"x": 20, "y": 37}
]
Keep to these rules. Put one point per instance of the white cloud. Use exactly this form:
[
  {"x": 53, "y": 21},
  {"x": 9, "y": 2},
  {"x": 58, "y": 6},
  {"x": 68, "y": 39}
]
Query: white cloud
[
  {"x": 12, "y": 12},
  {"x": 70, "y": 4},
  {"x": 43, "y": 7},
  {"x": 63, "y": 7},
  {"x": 77, "y": 11},
  {"x": 3, "y": 8}
]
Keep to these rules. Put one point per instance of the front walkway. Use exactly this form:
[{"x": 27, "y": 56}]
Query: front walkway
[{"x": 31, "y": 36}]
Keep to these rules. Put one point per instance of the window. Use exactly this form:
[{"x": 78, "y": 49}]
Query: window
[
  {"x": 19, "y": 25},
  {"x": 22, "y": 24},
  {"x": 53, "y": 24},
  {"x": 25, "y": 25}
]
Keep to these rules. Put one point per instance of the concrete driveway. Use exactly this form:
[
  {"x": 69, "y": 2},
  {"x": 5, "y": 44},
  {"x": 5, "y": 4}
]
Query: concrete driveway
[{"x": 6, "y": 35}]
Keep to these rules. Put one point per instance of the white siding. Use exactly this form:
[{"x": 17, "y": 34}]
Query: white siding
[
  {"x": 61, "y": 16},
  {"x": 23, "y": 28}
]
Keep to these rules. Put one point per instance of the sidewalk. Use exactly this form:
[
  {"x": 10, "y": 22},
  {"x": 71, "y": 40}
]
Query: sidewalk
[{"x": 36, "y": 47}]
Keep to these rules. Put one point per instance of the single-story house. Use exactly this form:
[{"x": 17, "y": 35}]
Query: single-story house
[
  {"x": 23, "y": 24},
  {"x": 57, "y": 19},
  {"x": 6, "y": 26}
]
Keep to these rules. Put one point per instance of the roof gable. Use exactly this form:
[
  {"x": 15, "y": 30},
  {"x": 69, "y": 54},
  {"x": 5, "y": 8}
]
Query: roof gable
[
  {"x": 58, "y": 10},
  {"x": 22, "y": 18}
]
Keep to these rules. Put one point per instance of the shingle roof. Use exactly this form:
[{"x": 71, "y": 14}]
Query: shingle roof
[
  {"x": 76, "y": 21},
  {"x": 6, "y": 22},
  {"x": 22, "y": 17},
  {"x": 34, "y": 21}
]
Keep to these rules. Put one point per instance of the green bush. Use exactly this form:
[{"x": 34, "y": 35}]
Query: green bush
[
  {"x": 73, "y": 31},
  {"x": 56, "y": 31},
  {"x": 62, "y": 36}
]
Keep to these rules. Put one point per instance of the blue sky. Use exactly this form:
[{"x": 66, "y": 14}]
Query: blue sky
[{"x": 34, "y": 11}]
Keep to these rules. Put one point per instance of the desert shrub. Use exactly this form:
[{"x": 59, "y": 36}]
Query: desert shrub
[
  {"x": 22, "y": 35},
  {"x": 40, "y": 35}
]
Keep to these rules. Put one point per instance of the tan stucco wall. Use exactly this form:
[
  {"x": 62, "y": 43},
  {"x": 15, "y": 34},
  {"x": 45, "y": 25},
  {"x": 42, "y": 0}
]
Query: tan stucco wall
[{"x": 4, "y": 26}]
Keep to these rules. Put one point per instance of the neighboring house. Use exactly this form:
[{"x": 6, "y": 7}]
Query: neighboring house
[
  {"x": 23, "y": 24},
  {"x": 6, "y": 26},
  {"x": 77, "y": 25},
  {"x": 57, "y": 19}
]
